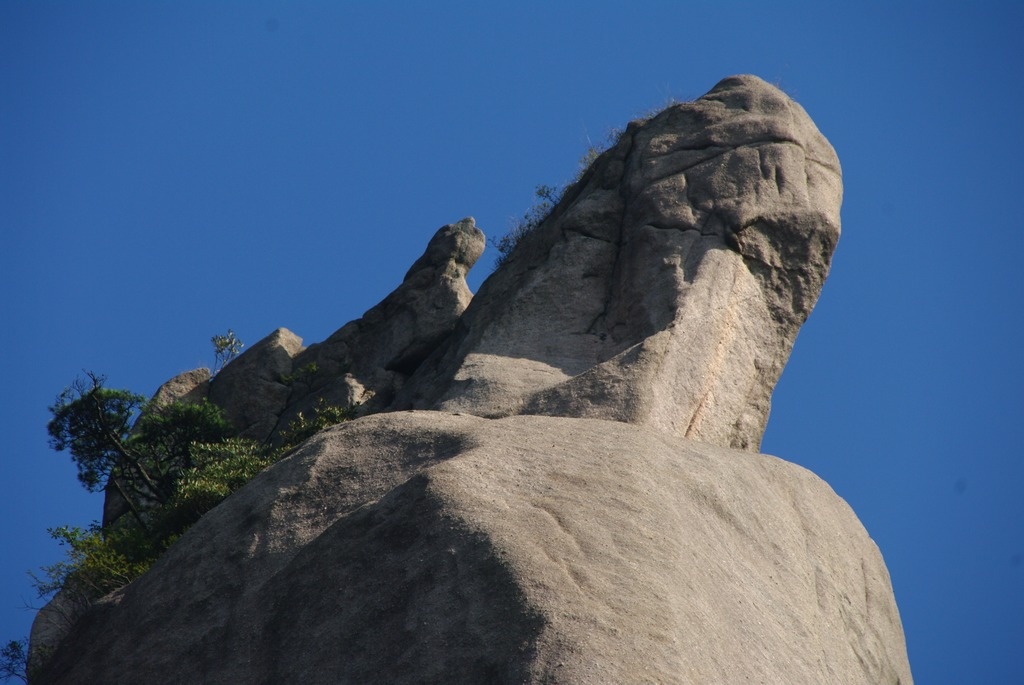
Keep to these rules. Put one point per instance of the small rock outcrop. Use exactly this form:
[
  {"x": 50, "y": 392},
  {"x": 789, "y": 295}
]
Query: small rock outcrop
[
  {"x": 364, "y": 363},
  {"x": 367, "y": 361},
  {"x": 252, "y": 389},
  {"x": 668, "y": 286},
  {"x": 557, "y": 481},
  {"x": 191, "y": 387}
]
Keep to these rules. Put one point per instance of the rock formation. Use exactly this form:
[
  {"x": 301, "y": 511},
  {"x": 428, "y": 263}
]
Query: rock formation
[
  {"x": 366, "y": 361},
  {"x": 668, "y": 286},
  {"x": 575, "y": 496},
  {"x": 252, "y": 389},
  {"x": 191, "y": 386},
  {"x": 420, "y": 547}
]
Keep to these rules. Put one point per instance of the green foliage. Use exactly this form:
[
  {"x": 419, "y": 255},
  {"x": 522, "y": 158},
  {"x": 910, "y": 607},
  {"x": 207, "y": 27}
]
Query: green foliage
[
  {"x": 325, "y": 415},
  {"x": 100, "y": 560},
  {"x": 14, "y": 661},
  {"x": 304, "y": 374},
  {"x": 225, "y": 348},
  {"x": 219, "y": 469},
  {"x": 166, "y": 433},
  {"x": 140, "y": 460},
  {"x": 93, "y": 423},
  {"x": 96, "y": 561},
  {"x": 547, "y": 198}
]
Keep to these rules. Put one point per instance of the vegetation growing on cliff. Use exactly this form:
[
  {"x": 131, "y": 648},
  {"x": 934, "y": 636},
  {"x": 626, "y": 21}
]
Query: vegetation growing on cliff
[
  {"x": 169, "y": 463},
  {"x": 14, "y": 661},
  {"x": 547, "y": 198},
  {"x": 121, "y": 443},
  {"x": 163, "y": 466}
]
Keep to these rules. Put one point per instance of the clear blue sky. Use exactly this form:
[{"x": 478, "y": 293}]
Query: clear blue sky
[{"x": 169, "y": 170}]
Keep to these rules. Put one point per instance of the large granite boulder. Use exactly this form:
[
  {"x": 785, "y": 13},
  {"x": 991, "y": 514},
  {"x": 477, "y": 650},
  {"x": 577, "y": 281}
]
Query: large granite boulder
[
  {"x": 667, "y": 287},
  {"x": 426, "y": 547}
]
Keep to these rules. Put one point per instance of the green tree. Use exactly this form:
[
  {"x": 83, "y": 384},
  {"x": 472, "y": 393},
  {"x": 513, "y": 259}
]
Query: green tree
[
  {"x": 13, "y": 661},
  {"x": 166, "y": 434},
  {"x": 94, "y": 424},
  {"x": 118, "y": 440},
  {"x": 225, "y": 348}
]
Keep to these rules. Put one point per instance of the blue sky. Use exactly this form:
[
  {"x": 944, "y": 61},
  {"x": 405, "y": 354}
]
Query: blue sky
[{"x": 170, "y": 170}]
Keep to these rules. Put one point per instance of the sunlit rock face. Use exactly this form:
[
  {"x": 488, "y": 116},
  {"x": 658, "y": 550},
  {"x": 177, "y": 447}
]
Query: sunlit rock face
[
  {"x": 366, "y": 361},
  {"x": 667, "y": 287},
  {"x": 415, "y": 547}
]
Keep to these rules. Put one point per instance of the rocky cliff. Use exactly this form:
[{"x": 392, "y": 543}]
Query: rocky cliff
[{"x": 557, "y": 479}]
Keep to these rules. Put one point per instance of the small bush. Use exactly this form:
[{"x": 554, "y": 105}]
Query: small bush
[
  {"x": 97, "y": 561},
  {"x": 324, "y": 416},
  {"x": 547, "y": 198},
  {"x": 14, "y": 661},
  {"x": 219, "y": 469},
  {"x": 304, "y": 374},
  {"x": 225, "y": 348}
]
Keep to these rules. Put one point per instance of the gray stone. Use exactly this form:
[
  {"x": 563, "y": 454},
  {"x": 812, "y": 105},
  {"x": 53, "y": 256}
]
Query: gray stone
[
  {"x": 51, "y": 625},
  {"x": 191, "y": 387},
  {"x": 367, "y": 361},
  {"x": 252, "y": 389},
  {"x": 668, "y": 286},
  {"x": 429, "y": 547}
]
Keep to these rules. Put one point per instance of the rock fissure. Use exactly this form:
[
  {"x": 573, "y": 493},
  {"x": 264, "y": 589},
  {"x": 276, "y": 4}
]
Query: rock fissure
[
  {"x": 674, "y": 171},
  {"x": 725, "y": 337},
  {"x": 598, "y": 325}
]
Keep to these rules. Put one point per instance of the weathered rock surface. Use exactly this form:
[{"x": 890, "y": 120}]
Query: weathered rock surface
[
  {"x": 252, "y": 389},
  {"x": 368, "y": 360},
  {"x": 191, "y": 387},
  {"x": 667, "y": 287},
  {"x": 431, "y": 547}
]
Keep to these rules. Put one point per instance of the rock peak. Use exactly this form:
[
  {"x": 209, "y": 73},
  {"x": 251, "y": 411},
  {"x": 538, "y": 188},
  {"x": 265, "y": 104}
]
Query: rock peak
[
  {"x": 668, "y": 285},
  {"x": 665, "y": 289}
]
